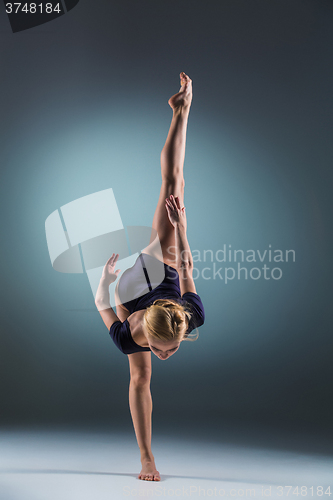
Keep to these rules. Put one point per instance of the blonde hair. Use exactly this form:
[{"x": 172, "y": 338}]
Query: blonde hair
[{"x": 167, "y": 320}]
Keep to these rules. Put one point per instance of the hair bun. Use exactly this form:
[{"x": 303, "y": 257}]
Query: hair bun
[
  {"x": 178, "y": 310},
  {"x": 166, "y": 319},
  {"x": 166, "y": 303}
]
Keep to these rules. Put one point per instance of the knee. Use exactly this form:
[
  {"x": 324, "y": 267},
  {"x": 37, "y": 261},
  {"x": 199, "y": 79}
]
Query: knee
[
  {"x": 174, "y": 183},
  {"x": 180, "y": 188},
  {"x": 141, "y": 377}
]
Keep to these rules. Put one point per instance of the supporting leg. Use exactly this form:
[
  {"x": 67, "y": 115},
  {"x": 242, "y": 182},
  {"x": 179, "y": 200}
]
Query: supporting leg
[{"x": 141, "y": 406}]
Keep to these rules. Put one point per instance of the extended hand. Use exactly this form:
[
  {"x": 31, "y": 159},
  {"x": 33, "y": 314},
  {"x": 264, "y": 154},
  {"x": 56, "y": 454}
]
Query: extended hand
[
  {"x": 175, "y": 212},
  {"x": 109, "y": 275}
]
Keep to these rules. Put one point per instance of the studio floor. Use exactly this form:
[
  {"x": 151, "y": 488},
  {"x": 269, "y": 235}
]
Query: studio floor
[{"x": 70, "y": 465}]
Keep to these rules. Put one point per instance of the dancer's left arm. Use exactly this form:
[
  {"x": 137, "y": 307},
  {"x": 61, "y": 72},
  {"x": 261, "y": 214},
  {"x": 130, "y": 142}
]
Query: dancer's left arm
[
  {"x": 184, "y": 261},
  {"x": 102, "y": 299}
]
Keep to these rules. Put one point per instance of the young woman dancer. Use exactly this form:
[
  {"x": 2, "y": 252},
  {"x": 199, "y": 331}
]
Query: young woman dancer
[{"x": 159, "y": 320}]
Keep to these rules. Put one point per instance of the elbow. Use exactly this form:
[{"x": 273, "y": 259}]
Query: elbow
[
  {"x": 97, "y": 303},
  {"x": 186, "y": 266},
  {"x": 101, "y": 306},
  {"x": 184, "y": 259}
]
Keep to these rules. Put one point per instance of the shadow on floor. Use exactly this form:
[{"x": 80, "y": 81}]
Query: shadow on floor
[{"x": 164, "y": 477}]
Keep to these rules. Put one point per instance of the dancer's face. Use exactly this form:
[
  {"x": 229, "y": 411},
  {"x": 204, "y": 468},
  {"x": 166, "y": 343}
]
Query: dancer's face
[{"x": 163, "y": 350}]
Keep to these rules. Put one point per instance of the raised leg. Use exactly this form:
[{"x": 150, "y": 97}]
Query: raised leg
[
  {"x": 141, "y": 406},
  {"x": 172, "y": 163}
]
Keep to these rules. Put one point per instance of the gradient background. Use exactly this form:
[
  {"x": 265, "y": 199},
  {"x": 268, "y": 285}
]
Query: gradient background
[{"x": 84, "y": 108}]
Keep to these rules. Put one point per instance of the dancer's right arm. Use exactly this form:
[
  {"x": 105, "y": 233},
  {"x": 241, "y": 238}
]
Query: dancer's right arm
[
  {"x": 102, "y": 301},
  {"x": 102, "y": 298}
]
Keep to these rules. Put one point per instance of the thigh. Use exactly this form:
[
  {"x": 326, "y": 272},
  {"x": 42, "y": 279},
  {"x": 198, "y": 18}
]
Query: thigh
[{"x": 161, "y": 223}]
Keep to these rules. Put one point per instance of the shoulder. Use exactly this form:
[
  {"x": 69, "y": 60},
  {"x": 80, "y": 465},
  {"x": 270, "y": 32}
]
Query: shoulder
[
  {"x": 193, "y": 302},
  {"x": 192, "y": 298},
  {"x": 122, "y": 337},
  {"x": 118, "y": 332}
]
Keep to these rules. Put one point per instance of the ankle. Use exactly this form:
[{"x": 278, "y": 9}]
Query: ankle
[
  {"x": 147, "y": 457},
  {"x": 181, "y": 111}
]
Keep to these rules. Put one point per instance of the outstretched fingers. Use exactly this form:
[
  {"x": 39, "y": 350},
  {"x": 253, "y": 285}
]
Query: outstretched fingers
[
  {"x": 173, "y": 202},
  {"x": 178, "y": 202},
  {"x": 113, "y": 259}
]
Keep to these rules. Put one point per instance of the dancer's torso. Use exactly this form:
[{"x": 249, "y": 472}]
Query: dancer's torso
[{"x": 139, "y": 286}]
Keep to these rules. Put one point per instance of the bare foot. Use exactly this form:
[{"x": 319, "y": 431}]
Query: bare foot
[
  {"x": 148, "y": 471},
  {"x": 184, "y": 97}
]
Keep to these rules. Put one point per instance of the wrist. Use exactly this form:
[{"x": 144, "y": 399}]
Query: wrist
[
  {"x": 104, "y": 285},
  {"x": 180, "y": 226}
]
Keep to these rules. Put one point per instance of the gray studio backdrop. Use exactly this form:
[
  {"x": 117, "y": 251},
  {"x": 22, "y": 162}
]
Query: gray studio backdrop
[{"x": 83, "y": 109}]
